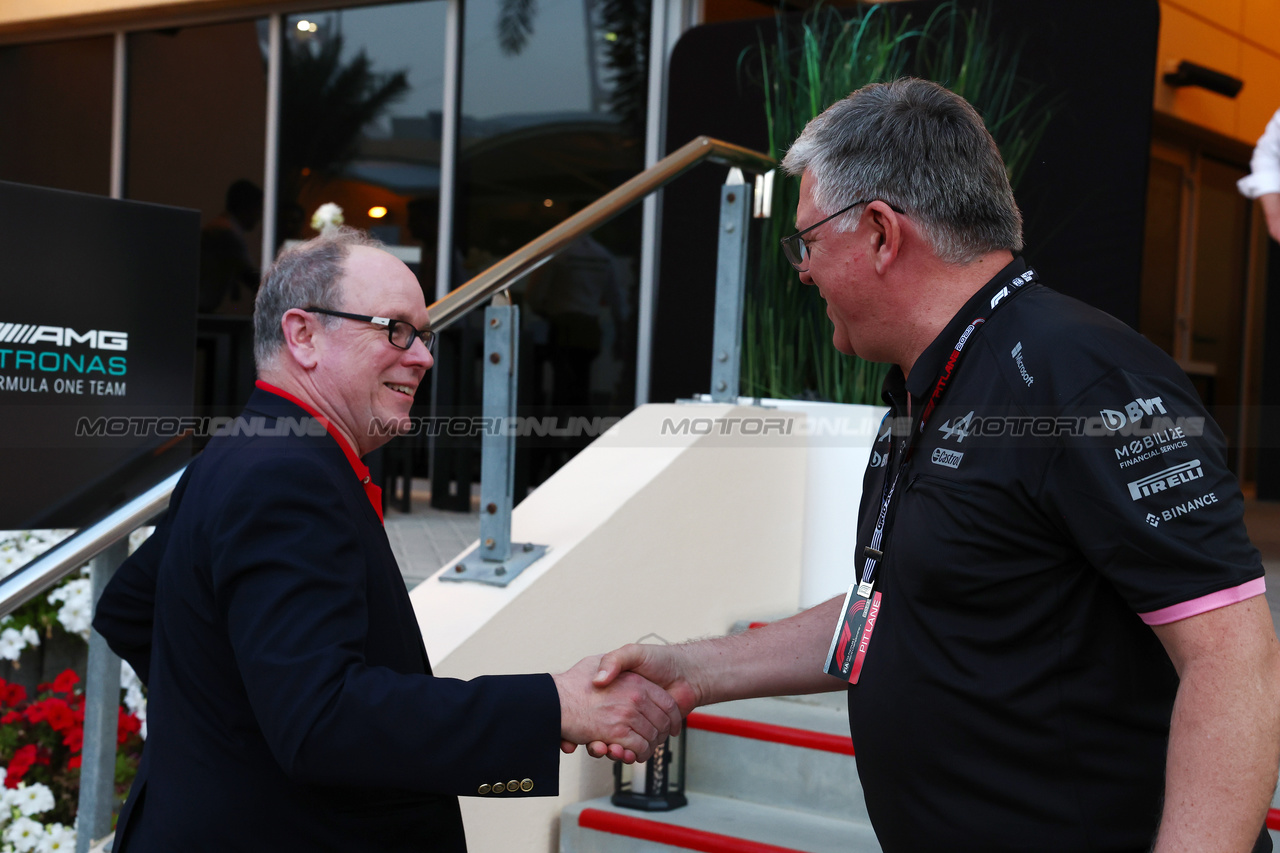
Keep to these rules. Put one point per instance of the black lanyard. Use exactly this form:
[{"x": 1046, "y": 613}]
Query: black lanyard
[{"x": 874, "y": 552}]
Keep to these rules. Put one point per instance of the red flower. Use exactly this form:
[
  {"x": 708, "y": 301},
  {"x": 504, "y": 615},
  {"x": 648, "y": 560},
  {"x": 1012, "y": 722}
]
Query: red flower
[
  {"x": 74, "y": 763},
  {"x": 74, "y": 739},
  {"x": 15, "y": 694},
  {"x": 11, "y": 717},
  {"x": 58, "y": 714},
  {"x": 65, "y": 681},
  {"x": 35, "y": 712},
  {"x": 128, "y": 725},
  {"x": 22, "y": 760},
  {"x": 43, "y": 755}
]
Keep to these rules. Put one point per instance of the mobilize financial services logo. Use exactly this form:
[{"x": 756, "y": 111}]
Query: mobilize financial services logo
[{"x": 1169, "y": 478}]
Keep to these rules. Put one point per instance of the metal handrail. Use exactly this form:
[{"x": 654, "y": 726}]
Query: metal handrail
[
  {"x": 33, "y": 578},
  {"x": 497, "y": 278},
  {"x": 76, "y": 550}
]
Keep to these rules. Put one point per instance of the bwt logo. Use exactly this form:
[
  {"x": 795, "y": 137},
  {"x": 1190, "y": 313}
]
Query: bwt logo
[
  {"x": 1132, "y": 413},
  {"x": 62, "y": 336},
  {"x": 1167, "y": 479}
]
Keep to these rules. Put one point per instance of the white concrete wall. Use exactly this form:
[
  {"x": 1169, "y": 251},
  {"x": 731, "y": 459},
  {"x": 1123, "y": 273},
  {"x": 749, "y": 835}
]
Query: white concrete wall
[
  {"x": 839, "y": 439},
  {"x": 678, "y": 536}
]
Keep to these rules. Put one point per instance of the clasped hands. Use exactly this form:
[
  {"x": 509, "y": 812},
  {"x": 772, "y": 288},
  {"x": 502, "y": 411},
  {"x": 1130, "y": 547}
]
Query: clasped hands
[{"x": 623, "y": 704}]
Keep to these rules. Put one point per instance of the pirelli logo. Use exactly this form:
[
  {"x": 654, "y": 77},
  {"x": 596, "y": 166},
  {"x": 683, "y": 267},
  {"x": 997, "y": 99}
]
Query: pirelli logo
[{"x": 1169, "y": 478}]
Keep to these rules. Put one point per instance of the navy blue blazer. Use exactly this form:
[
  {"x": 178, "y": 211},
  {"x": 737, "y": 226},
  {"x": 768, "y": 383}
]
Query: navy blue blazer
[{"x": 291, "y": 702}]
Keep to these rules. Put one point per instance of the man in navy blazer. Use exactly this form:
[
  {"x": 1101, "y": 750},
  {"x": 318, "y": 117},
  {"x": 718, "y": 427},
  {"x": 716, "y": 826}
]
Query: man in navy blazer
[{"x": 291, "y": 701}]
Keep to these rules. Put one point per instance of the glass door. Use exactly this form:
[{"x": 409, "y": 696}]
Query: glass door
[{"x": 1198, "y": 300}]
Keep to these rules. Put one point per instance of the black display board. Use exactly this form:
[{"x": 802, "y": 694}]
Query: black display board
[
  {"x": 97, "y": 349},
  {"x": 1083, "y": 198}
]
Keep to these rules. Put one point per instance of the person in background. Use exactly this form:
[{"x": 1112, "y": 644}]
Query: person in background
[
  {"x": 1263, "y": 181},
  {"x": 228, "y": 273}
]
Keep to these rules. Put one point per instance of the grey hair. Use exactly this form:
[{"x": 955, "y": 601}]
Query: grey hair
[
  {"x": 307, "y": 274},
  {"x": 918, "y": 147}
]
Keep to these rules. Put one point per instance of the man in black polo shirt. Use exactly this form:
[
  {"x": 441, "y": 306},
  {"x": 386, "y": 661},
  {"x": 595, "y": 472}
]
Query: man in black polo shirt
[{"x": 1057, "y": 638}]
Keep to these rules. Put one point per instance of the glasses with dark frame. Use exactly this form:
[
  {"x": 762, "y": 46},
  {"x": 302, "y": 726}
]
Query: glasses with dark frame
[
  {"x": 400, "y": 333},
  {"x": 797, "y": 251}
]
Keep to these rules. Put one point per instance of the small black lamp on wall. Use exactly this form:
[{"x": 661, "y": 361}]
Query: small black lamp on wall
[
  {"x": 1190, "y": 74},
  {"x": 657, "y": 785}
]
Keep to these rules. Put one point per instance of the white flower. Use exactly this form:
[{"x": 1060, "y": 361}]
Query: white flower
[
  {"x": 76, "y": 613},
  {"x": 8, "y": 801},
  {"x": 327, "y": 216},
  {"x": 24, "y": 834},
  {"x": 33, "y": 799},
  {"x": 137, "y": 537},
  {"x": 57, "y": 839},
  {"x": 11, "y": 644},
  {"x": 19, "y": 547},
  {"x": 30, "y": 636}
]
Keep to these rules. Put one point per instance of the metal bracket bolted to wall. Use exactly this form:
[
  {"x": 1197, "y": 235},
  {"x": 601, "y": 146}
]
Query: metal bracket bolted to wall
[
  {"x": 731, "y": 282},
  {"x": 497, "y": 560},
  {"x": 763, "y": 207}
]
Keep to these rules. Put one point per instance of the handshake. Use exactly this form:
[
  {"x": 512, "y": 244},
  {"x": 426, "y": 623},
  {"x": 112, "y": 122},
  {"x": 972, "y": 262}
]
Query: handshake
[{"x": 625, "y": 703}]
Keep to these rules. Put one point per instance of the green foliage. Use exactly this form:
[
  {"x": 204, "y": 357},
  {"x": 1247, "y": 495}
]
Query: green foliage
[
  {"x": 515, "y": 24},
  {"x": 787, "y": 339}
]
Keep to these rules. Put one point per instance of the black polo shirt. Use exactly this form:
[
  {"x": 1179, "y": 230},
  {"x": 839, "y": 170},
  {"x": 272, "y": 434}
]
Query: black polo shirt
[{"x": 1068, "y": 491}]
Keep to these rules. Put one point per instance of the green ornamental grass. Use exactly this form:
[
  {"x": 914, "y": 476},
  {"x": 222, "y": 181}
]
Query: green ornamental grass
[{"x": 787, "y": 350}]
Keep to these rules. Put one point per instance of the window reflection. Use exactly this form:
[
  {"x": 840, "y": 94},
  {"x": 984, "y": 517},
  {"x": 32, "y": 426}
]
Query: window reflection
[
  {"x": 55, "y": 100},
  {"x": 553, "y": 106},
  {"x": 197, "y": 105},
  {"x": 360, "y": 124}
]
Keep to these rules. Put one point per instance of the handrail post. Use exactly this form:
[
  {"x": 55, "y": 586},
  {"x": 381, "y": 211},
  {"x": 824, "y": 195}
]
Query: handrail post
[
  {"x": 498, "y": 446},
  {"x": 101, "y": 708},
  {"x": 731, "y": 282},
  {"x": 497, "y": 560}
]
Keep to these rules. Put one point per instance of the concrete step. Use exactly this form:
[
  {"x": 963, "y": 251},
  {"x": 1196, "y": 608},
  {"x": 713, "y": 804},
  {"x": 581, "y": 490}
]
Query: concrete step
[
  {"x": 790, "y": 753},
  {"x": 711, "y": 825}
]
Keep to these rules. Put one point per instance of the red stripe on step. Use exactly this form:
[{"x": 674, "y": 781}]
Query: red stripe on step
[
  {"x": 676, "y": 836},
  {"x": 769, "y": 732},
  {"x": 1273, "y": 818}
]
